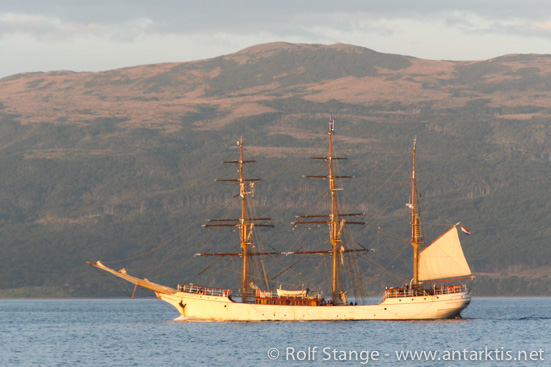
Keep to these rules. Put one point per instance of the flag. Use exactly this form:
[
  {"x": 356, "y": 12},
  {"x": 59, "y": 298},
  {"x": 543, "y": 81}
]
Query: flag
[
  {"x": 332, "y": 124},
  {"x": 465, "y": 230}
]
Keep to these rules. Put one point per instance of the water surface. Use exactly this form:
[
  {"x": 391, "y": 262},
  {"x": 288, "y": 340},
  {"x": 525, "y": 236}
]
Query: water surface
[{"x": 100, "y": 332}]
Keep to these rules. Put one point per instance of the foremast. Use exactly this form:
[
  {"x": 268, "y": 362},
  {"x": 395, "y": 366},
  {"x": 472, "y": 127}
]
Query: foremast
[
  {"x": 336, "y": 220},
  {"x": 416, "y": 233},
  {"x": 245, "y": 223}
]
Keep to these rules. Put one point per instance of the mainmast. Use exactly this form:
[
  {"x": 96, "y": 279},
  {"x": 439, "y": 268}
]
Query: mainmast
[
  {"x": 245, "y": 223},
  {"x": 416, "y": 234},
  {"x": 335, "y": 220}
]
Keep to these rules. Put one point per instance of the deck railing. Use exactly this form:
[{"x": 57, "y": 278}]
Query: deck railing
[
  {"x": 435, "y": 290},
  {"x": 190, "y": 288}
]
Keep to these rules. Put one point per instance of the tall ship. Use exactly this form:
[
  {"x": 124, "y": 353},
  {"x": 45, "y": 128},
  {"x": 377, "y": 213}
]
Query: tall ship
[{"x": 439, "y": 287}]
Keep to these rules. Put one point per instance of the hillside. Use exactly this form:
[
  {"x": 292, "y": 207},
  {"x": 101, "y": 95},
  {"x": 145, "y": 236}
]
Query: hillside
[{"x": 111, "y": 165}]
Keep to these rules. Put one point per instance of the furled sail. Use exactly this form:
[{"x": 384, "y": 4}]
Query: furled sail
[{"x": 443, "y": 259}]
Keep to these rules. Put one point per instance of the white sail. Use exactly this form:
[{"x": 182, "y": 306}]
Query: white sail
[{"x": 443, "y": 259}]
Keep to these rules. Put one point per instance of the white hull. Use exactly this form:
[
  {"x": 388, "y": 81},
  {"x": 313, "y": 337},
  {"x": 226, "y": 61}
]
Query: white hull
[{"x": 220, "y": 308}]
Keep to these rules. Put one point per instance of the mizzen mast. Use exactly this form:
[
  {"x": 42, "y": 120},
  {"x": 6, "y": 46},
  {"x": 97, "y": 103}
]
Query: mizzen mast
[
  {"x": 245, "y": 223},
  {"x": 416, "y": 233},
  {"x": 335, "y": 220}
]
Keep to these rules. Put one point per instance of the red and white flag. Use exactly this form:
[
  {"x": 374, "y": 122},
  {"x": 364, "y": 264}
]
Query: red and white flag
[{"x": 465, "y": 230}]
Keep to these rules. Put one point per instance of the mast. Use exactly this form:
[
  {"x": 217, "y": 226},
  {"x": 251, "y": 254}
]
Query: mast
[
  {"x": 245, "y": 226},
  {"x": 335, "y": 220},
  {"x": 245, "y": 223},
  {"x": 416, "y": 235},
  {"x": 334, "y": 230}
]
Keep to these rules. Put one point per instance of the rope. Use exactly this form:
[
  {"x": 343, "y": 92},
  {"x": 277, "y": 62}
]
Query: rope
[{"x": 156, "y": 248}]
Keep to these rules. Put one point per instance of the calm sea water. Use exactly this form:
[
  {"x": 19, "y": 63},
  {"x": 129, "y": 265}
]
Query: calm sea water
[{"x": 494, "y": 332}]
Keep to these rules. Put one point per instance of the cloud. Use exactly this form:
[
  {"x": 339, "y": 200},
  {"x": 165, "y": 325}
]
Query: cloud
[
  {"x": 132, "y": 18},
  {"x": 56, "y": 29},
  {"x": 27, "y": 23},
  {"x": 543, "y": 26},
  {"x": 180, "y": 16}
]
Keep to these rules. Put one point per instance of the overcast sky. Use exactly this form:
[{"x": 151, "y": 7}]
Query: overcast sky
[{"x": 94, "y": 35}]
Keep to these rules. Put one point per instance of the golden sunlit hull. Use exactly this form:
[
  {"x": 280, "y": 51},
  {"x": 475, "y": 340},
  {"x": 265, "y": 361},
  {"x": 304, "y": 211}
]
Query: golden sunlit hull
[{"x": 220, "y": 308}]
